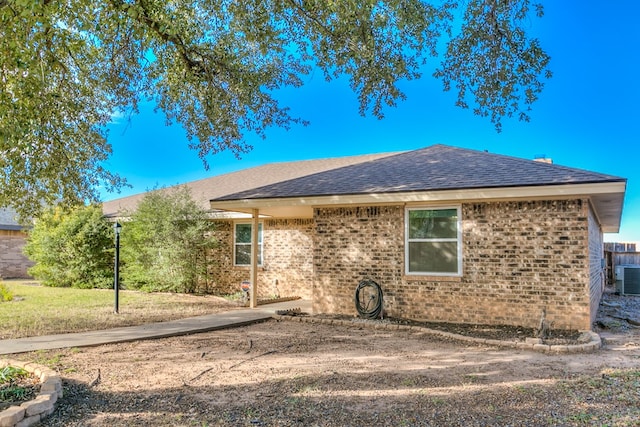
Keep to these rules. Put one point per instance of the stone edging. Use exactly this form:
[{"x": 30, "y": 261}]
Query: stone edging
[
  {"x": 31, "y": 412},
  {"x": 533, "y": 344}
]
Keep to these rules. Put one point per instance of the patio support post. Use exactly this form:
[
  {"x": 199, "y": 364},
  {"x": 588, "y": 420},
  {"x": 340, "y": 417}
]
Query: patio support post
[{"x": 253, "y": 295}]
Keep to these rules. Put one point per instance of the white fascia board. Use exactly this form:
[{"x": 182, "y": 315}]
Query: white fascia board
[
  {"x": 232, "y": 215},
  {"x": 501, "y": 193}
]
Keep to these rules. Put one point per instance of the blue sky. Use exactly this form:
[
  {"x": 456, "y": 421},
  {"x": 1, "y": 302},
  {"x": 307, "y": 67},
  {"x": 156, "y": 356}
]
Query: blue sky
[{"x": 587, "y": 117}]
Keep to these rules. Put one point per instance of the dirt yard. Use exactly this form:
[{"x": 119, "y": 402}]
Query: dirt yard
[{"x": 284, "y": 373}]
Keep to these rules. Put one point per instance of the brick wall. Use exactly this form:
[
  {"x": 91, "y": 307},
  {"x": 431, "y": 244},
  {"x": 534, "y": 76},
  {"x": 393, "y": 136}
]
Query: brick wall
[
  {"x": 287, "y": 268},
  {"x": 354, "y": 243},
  {"x": 596, "y": 270},
  {"x": 13, "y": 263},
  {"x": 518, "y": 259},
  {"x": 288, "y": 259},
  {"x": 224, "y": 278}
]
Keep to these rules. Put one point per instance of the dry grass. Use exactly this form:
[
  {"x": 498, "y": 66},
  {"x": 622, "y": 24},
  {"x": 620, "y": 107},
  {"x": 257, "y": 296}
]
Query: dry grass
[
  {"x": 39, "y": 310},
  {"x": 295, "y": 374}
]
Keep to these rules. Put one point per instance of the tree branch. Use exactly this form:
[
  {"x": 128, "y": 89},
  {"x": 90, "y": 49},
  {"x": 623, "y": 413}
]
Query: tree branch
[{"x": 187, "y": 53}]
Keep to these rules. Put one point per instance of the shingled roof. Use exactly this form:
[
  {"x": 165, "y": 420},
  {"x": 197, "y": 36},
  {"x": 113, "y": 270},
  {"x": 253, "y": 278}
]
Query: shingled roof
[
  {"x": 434, "y": 168},
  {"x": 9, "y": 220},
  {"x": 206, "y": 189},
  {"x": 435, "y": 173}
]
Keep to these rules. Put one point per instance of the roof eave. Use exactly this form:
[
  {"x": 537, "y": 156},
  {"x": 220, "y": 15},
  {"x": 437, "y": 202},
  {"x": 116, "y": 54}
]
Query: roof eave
[
  {"x": 12, "y": 227},
  {"x": 606, "y": 196}
]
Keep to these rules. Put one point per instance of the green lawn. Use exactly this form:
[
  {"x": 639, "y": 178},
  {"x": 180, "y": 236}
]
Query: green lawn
[{"x": 39, "y": 310}]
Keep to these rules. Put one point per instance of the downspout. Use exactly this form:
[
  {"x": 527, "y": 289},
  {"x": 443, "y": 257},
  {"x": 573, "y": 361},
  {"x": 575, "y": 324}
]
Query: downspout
[{"x": 253, "y": 295}]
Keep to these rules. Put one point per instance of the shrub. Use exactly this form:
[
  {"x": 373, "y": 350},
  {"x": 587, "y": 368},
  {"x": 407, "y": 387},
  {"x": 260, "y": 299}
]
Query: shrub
[
  {"x": 5, "y": 293},
  {"x": 72, "y": 248},
  {"x": 164, "y": 243}
]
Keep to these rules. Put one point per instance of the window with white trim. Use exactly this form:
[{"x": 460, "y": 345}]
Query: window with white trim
[
  {"x": 242, "y": 244},
  {"x": 433, "y": 241}
]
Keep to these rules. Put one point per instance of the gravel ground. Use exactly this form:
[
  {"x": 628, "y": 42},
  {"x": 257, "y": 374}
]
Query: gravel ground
[{"x": 284, "y": 373}]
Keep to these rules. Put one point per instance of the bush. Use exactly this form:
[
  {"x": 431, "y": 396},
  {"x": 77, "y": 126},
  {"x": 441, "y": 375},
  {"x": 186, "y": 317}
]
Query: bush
[
  {"x": 5, "y": 293},
  {"x": 164, "y": 243},
  {"x": 72, "y": 248}
]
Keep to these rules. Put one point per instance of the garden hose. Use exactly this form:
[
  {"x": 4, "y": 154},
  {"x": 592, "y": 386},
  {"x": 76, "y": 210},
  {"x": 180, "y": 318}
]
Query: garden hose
[{"x": 368, "y": 299}]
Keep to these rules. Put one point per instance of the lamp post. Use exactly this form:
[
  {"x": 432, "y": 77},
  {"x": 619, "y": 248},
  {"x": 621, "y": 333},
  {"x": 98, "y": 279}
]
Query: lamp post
[{"x": 116, "y": 272}]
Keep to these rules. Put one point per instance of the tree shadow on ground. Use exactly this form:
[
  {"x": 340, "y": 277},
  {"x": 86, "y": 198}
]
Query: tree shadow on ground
[{"x": 409, "y": 398}]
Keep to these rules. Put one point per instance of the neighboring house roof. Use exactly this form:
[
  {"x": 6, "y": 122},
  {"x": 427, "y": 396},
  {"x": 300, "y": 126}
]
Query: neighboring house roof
[
  {"x": 205, "y": 189},
  {"x": 436, "y": 173},
  {"x": 9, "y": 220}
]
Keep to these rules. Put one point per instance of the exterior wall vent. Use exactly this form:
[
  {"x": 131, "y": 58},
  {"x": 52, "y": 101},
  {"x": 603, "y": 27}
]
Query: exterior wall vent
[{"x": 628, "y": 279}]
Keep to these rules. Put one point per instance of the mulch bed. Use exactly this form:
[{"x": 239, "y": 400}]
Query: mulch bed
[
  {"x": 496, "y": 332},
  {"x": 616, "y": 313},
  {"x": 501, "y": 332}
]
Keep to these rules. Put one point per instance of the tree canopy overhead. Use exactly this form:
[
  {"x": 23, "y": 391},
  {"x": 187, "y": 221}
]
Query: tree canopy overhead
[{"x": 66, "y": 66}]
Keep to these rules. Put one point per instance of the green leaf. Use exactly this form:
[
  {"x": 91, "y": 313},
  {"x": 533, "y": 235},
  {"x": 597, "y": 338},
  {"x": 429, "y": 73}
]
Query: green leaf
[{"x": 215, "y": 67}]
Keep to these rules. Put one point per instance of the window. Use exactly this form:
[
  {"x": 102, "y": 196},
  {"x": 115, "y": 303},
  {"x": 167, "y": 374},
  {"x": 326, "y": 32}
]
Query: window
[
  {"x": 433, "y": 241},
  {"x": 242, "y": 244}
]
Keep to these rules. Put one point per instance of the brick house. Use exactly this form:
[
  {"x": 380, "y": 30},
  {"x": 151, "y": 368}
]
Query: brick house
[
  {"x": 288, "y": 268},
  {"x": 450, "y": 234},
  {"x": 13, "y": 263}
]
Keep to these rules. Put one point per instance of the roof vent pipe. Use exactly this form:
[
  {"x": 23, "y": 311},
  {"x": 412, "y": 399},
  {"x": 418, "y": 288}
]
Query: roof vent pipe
[{"x": 542, "y": 158}]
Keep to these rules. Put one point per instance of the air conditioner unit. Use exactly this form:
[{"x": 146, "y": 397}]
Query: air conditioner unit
[{"x": 628, "y": 279}]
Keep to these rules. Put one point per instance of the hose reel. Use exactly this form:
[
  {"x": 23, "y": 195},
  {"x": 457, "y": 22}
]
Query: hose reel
[{"x": 368, "y": 299}]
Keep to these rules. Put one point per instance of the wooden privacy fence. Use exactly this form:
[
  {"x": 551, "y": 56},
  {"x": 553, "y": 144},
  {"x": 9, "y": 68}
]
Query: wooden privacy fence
[
  {"x": 619, "y": 254},
  {"x": 626, "y": 258}
]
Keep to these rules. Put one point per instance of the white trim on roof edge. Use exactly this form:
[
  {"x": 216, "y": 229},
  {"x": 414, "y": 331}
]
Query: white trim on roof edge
[{"x": 302, "y": 207}]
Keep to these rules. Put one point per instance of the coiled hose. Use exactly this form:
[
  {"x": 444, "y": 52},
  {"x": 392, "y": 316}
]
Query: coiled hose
[{"x": 368, "y": 299}]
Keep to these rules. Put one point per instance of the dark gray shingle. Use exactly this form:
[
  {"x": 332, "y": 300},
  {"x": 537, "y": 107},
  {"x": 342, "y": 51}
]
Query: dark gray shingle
[{"x": 434, "y": 168}]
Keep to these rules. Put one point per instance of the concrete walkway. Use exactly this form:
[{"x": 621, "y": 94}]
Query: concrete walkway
[{"x": 186, "y": 326}]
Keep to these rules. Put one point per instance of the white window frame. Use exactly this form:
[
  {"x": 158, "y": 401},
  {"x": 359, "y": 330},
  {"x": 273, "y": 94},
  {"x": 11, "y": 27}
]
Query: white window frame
[
  {"x": 457, "y": 239},
  {"x": 260, "y": 243}
]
